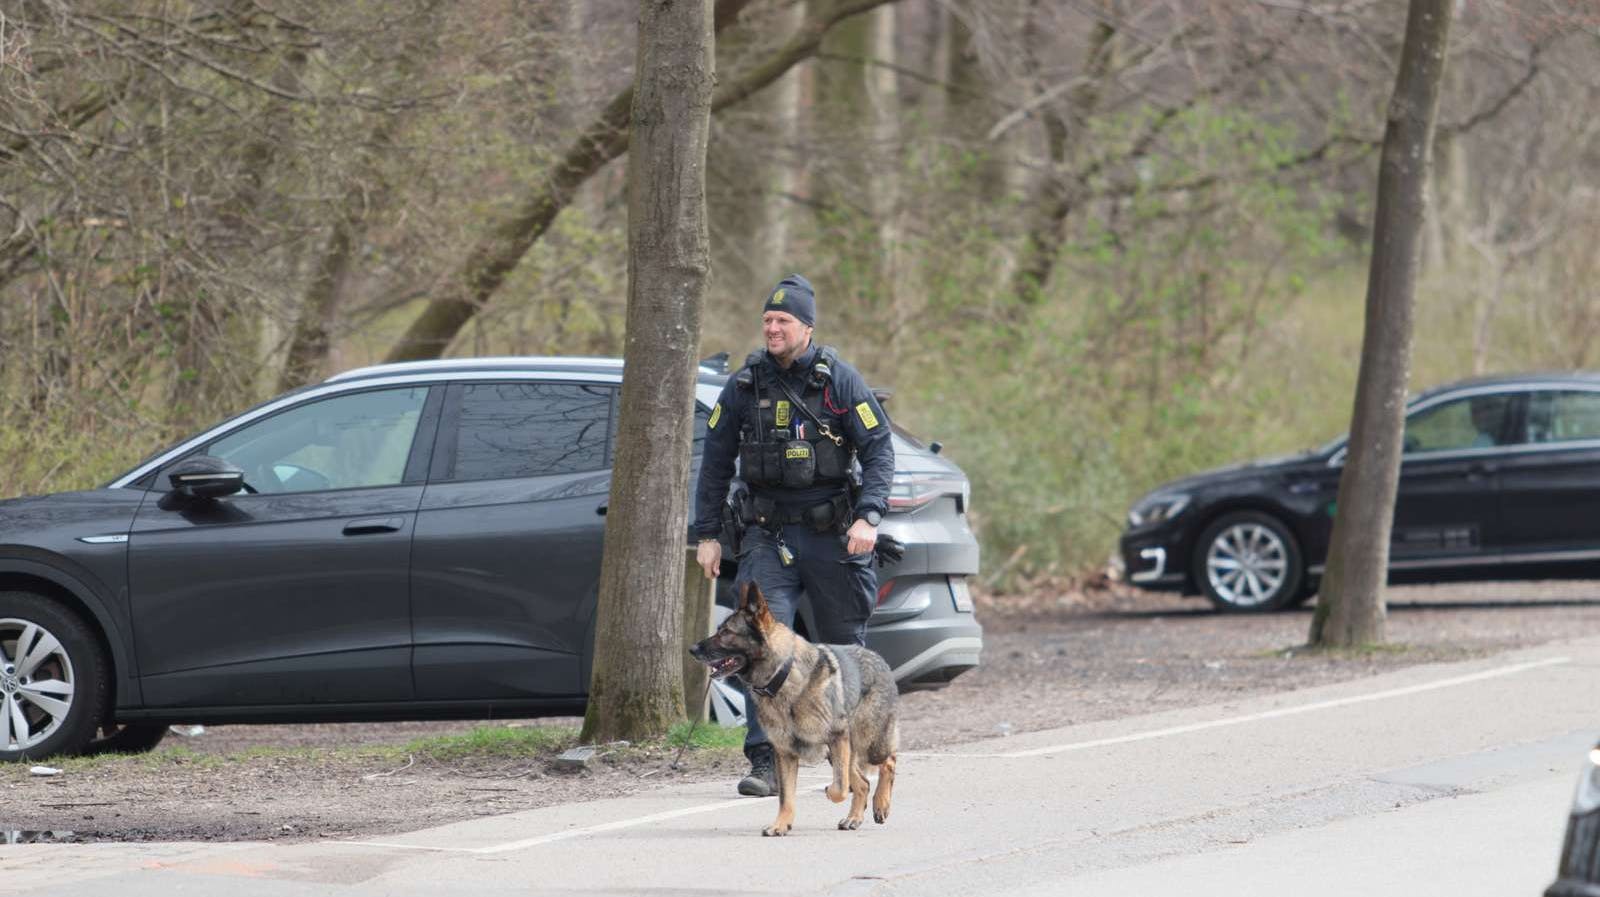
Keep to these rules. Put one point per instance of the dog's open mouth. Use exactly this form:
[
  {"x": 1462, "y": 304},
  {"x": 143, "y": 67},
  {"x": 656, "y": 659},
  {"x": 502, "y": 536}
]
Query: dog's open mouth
[{"x": 723, "y": 667}]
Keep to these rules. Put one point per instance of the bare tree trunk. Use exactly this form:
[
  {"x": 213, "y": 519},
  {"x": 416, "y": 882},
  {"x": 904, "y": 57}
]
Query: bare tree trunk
[
  {"x": 1351, "y": 609},
  {"x": 1041, "y": 244},
  {"x": 312, "y": 340},
  {"x": 209, "y": 369},
  {"x": 748, "y": 181},
  {"x": 968, "y": 111},
  {"x": 496, "y": 253},
  {"x": 637, "y": 686}
]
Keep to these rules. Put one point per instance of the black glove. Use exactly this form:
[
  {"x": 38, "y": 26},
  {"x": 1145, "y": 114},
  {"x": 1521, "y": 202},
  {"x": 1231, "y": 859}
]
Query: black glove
[{"x": 889, "y": 550}]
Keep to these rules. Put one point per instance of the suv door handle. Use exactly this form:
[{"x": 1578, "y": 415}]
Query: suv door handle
[
  {"x": 1482, "y": 469},
  {"x": 374, "y": 525}
]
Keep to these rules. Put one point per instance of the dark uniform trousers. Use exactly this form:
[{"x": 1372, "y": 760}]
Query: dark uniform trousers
[{"x": 843, "y": 589}]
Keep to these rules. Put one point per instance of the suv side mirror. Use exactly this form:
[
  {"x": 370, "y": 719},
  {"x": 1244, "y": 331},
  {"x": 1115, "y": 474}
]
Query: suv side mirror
[{"x": 204, "y": 477}]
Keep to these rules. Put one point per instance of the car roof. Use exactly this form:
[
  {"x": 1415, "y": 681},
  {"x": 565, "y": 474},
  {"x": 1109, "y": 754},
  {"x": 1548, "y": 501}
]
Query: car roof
[
  {"x": 533, "y": 364},
  {"x": 1516, "y": 381}
]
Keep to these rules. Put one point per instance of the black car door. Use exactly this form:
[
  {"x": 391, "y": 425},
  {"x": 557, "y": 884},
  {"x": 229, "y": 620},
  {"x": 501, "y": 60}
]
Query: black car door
[
  {"x": 1447, "y": 504},
  {"x": 1550, "y": 485},
  {"x": 506, "y": 562},
  {"x": 298, "y": 593}
]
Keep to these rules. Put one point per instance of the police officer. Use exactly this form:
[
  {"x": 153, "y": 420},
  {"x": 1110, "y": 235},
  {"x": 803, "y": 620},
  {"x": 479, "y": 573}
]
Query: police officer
[{"x": 803, "y": 427}]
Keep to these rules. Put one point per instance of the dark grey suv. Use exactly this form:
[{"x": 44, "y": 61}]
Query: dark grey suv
[{"x": 414, "y": 541}]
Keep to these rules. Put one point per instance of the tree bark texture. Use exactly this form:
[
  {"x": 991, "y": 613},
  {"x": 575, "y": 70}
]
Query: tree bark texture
[
  {"x": 637, "y": 686},
  {"x": 1350, "y": 610},
  {"x": 468, "y": 289}
]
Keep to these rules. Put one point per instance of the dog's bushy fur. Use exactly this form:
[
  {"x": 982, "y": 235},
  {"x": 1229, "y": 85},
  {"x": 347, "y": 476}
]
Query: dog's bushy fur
[{"x": 833, "y": 699}]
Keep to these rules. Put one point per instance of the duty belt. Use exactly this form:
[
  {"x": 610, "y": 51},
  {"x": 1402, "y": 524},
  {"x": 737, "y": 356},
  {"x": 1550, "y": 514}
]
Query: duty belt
[{"x": 813, "y": 515}]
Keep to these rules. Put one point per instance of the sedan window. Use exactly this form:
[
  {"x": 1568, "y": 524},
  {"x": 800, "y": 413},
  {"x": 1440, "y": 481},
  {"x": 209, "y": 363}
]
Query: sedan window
[
  {"x": 344, "y": 442},
  {"x": 531, "y": 429},
  {"x": 1475, "y": 422},
  {"x": 1563, "y": 416}
]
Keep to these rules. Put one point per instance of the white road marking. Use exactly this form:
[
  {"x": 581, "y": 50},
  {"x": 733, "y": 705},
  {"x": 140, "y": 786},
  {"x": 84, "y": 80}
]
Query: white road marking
[
  {"x": 1035, "y": 752},
  {"x": 580, "y": 832},
  {"x": 1254, "y": 717}
]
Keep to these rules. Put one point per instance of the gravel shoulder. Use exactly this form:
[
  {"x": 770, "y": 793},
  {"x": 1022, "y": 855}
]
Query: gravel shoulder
[{"x": 1052, "y": 658}]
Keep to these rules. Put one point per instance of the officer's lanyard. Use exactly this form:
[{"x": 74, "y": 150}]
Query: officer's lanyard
[{"x": 821, "y": 427}]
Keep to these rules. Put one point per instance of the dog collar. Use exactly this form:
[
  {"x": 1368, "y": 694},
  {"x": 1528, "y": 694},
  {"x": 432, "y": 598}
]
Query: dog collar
[{"x": 771, "y": 688}]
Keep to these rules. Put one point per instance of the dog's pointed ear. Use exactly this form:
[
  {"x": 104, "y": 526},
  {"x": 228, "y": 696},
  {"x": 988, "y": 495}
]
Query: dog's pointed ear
[{"x": 751, "y": 599}]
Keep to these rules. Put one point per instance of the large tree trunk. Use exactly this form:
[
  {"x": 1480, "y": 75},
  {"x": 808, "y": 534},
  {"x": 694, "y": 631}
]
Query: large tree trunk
[
  {"x": 506, "y": 241},
  {"x": 1350, "y": 610},
  {"x": 637, "y": 687}
]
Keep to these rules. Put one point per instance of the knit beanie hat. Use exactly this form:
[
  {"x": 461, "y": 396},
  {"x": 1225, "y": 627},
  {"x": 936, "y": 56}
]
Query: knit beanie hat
[{"x": 795, "y": 296}]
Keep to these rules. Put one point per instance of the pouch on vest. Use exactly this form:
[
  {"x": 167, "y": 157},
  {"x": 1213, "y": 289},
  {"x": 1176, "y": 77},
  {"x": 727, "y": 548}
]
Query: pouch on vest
[
  {"x": 799, "y": 464},
  {"x": 833, "y": 460},
  {"x": 762, "y": 463}
]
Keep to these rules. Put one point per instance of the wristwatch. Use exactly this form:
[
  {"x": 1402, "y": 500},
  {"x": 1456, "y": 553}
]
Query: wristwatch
[{"x": 873, "y": 518}]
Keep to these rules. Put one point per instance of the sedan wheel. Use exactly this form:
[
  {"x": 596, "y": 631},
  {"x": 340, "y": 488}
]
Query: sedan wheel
[
  {"x": 1248, "y": 562},
  {"x": 52, "y": 678}
]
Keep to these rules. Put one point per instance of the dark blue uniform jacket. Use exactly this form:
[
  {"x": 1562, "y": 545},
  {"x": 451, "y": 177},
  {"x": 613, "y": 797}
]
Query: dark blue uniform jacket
[{"x": 849, "y": 409}]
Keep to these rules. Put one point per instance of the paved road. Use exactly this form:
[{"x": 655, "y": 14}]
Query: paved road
[{"x": 1441, "y": 779}]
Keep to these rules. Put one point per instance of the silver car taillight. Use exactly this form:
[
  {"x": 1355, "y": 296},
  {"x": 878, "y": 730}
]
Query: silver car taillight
[{"x": 910, "y": 491}]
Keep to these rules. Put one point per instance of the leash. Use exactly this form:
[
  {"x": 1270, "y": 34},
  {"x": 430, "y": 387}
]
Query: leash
[{"x": 688, "y": 737}]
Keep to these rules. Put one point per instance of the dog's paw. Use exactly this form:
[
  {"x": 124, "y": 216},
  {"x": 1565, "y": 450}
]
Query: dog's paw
[
  {"x": 879, "y": 816},
  {"x": 836, "y": 794},
  {"x": 849, "y": 823},
  {"x": 775, "y": 831}
]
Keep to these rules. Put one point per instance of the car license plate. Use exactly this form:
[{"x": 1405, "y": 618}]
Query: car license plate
[{"x": 961, "y": 594}]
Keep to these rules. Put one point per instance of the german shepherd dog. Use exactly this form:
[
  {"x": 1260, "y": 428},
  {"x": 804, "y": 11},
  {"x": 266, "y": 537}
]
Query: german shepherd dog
[{"x": 811, "y": 698}]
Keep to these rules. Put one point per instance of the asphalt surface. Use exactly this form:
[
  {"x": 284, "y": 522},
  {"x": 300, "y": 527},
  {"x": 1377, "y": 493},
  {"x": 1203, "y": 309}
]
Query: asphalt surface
[{"x": 1439, "y": 778}]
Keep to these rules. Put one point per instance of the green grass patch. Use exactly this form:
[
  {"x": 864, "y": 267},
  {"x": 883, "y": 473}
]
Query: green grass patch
[
  {"x": 707, "y": 735},
  {"x": 491, "y": 741},
  {"x": 484, "y": 742}
]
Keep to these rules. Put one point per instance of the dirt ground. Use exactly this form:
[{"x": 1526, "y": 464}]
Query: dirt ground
[{"x": 1053, "y": 658}]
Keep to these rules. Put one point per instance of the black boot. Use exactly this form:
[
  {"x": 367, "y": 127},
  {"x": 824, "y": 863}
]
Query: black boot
[{"x": 762, "y": 780}]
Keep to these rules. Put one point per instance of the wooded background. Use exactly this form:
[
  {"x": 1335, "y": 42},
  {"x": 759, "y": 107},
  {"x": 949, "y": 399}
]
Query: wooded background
[{"x": 1091, "y": 244}]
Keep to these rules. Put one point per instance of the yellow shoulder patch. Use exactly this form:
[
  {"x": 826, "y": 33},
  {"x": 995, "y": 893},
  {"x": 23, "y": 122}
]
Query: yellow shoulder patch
[
  {"x": 868, "y": 419},
  {"x": 716, "y": 415}
]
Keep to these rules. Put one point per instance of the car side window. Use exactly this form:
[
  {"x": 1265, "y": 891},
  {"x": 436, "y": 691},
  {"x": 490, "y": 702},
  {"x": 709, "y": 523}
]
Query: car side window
[
  {"x": 1563, "y": 416},
  {"x": 1474, "y": 422},
  {"x": 531, "y": 429},
  {"x": 344, "y": 442}
]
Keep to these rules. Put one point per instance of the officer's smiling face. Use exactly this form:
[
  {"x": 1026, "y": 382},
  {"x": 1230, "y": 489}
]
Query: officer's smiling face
[{"x": 786, "y": 336}]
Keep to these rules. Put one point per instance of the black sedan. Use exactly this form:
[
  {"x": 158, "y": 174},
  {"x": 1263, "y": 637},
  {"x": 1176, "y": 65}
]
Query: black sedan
[{"x": 1500, "y": 477}]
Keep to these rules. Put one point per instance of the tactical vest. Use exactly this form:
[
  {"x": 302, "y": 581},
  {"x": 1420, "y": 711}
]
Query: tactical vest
[{"x": 788, "y": 446}]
